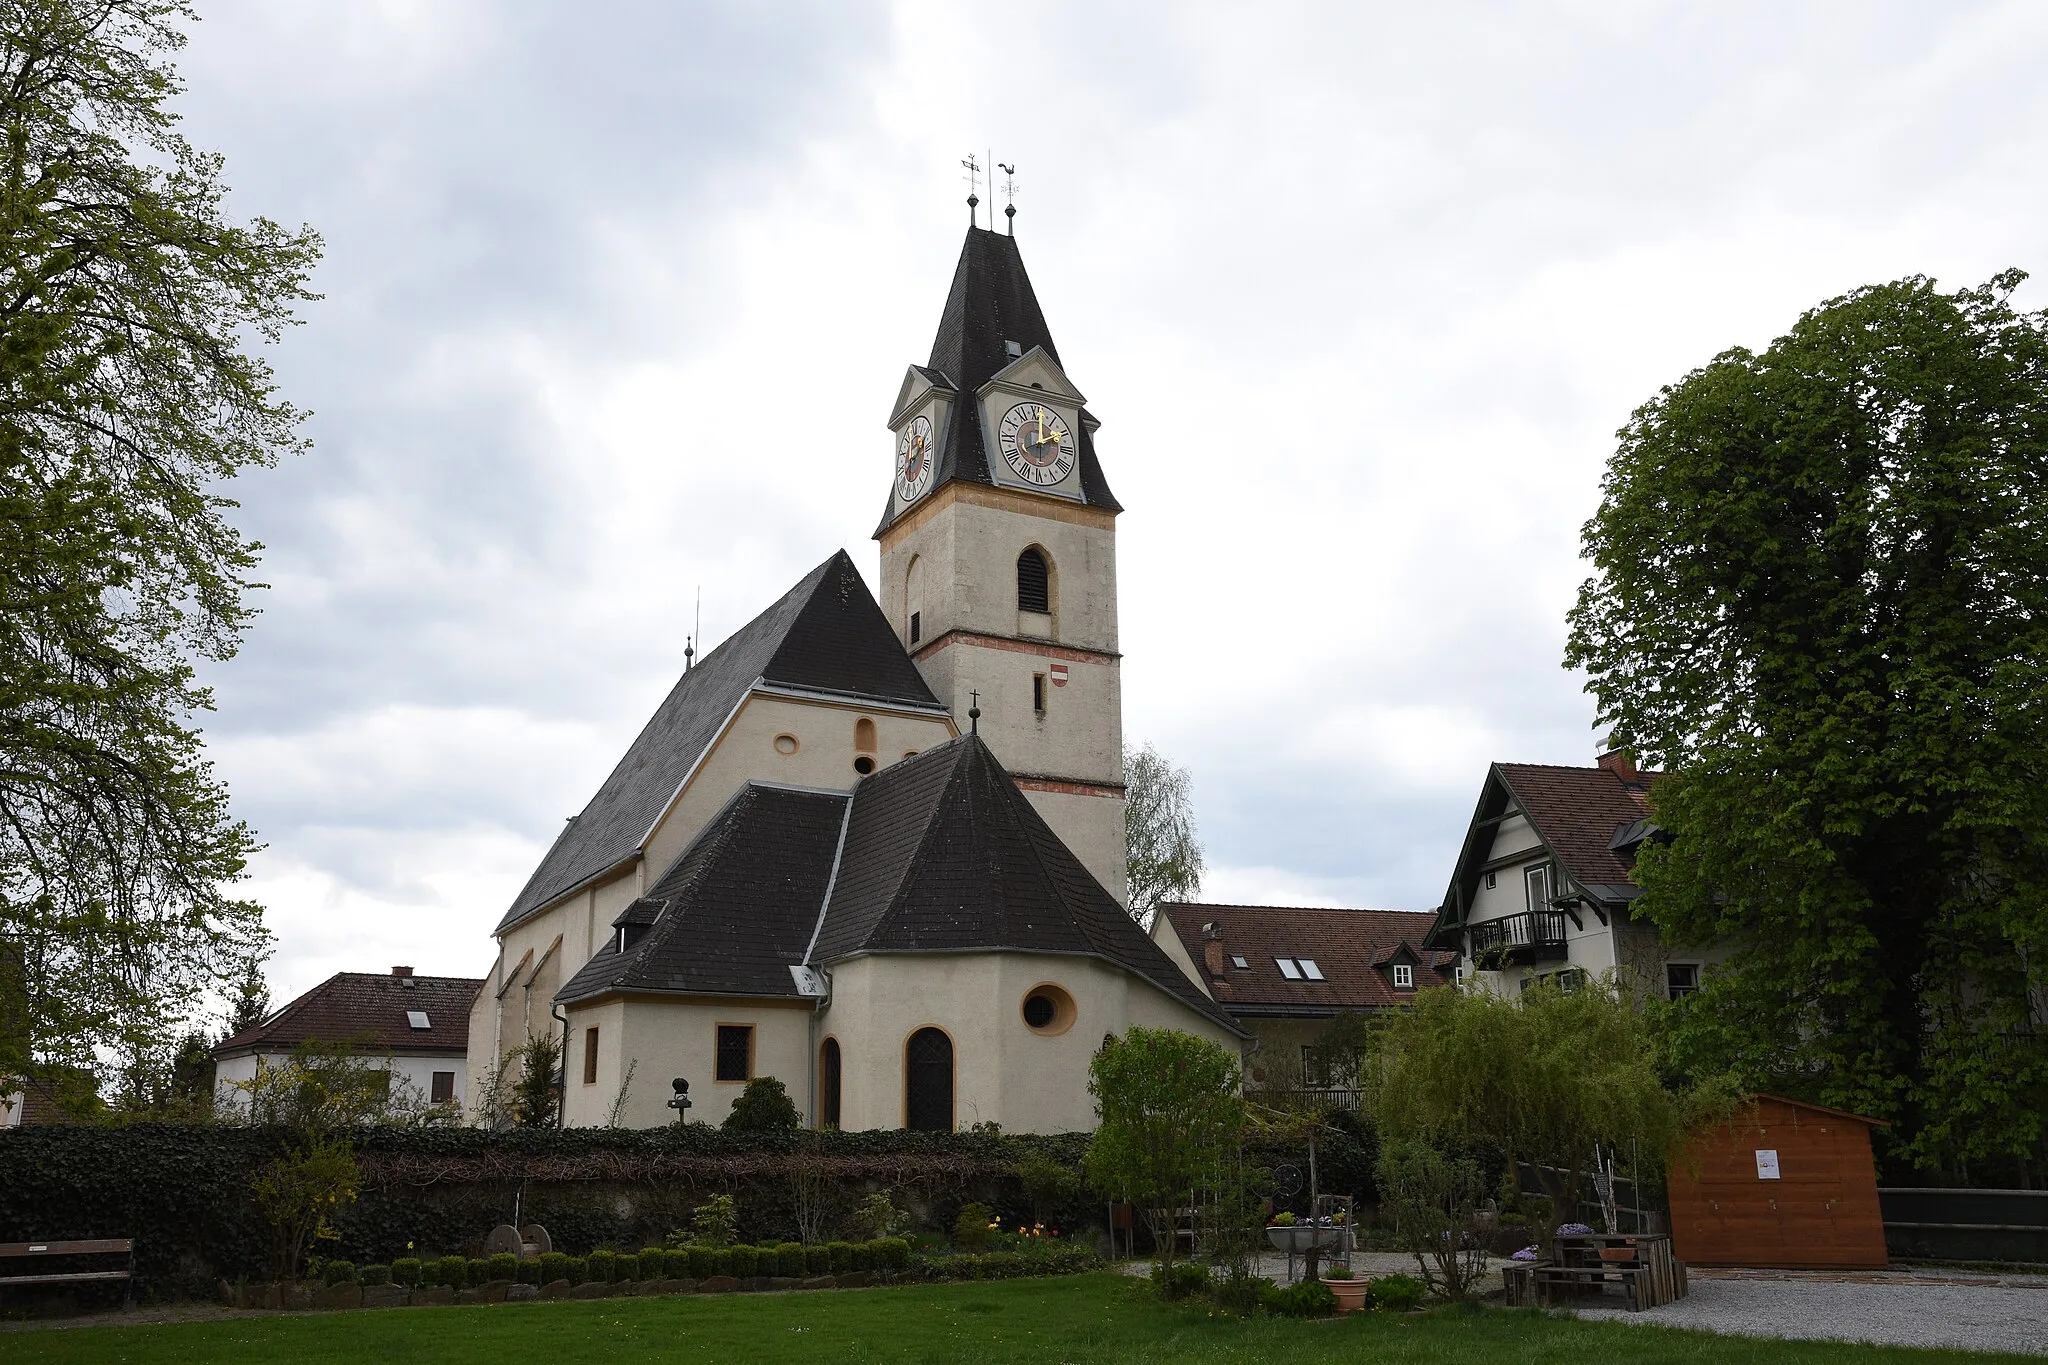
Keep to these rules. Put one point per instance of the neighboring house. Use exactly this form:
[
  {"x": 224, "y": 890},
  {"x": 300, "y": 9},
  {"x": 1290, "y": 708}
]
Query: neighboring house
[
  {"x": 1284, "y": 973},
  {"x": 1543, "y": 883},
  {"x": 875, "y": 848},
  {"x": 35, "y": 1103},
  {"x": 416, "y": 1027}
]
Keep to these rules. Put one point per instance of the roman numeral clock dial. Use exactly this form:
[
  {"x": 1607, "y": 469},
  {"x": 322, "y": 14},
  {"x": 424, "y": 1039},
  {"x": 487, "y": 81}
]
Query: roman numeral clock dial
[
  {"x": 1037, "y": 445},
  {"x": 914, "y": 459}
]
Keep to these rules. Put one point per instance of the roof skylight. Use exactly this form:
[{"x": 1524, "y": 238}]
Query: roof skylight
[
  {"x": 1309, "y": 968},
  {"x": 418, "y": 1019},
  {"x": 1239, "y": 961},
  {"x": 1288, "y": 969}
]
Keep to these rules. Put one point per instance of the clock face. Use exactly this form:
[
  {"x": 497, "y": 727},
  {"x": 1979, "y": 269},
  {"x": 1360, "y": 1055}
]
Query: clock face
[
  {"x": 914, "y": 459},
  {"x": 1037, "y": 445}
]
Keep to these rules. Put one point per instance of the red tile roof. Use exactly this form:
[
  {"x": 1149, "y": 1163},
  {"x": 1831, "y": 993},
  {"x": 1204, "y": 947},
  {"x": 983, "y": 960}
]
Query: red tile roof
[
  {"x": 1354, "y": 948},
  {"x": 1576, "y": 811},
  {"x": 370, "y": 1008}
]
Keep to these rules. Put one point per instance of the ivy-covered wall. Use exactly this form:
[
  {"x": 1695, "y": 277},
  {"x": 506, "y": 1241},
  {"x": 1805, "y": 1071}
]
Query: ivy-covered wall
[{"x": 182, "y": 1191}]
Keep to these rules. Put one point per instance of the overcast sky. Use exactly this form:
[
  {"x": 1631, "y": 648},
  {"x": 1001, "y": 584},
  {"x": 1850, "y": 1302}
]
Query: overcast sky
[{"x": 617, "y": 298}]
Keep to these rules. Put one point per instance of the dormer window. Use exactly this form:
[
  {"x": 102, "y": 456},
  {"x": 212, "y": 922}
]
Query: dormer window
[{"x": 1404, "y": 977}]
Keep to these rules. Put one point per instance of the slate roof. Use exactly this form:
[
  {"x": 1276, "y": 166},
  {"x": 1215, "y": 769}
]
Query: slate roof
[
  {"x": 991, "y": 302},
  {"x": 941, "y": 853},
  {"x": 736, "y": 909},
  {"x": 826, "y": 634},
  {"x": 371, "y": 1008},
  {"x": 1355, "y": 949}
]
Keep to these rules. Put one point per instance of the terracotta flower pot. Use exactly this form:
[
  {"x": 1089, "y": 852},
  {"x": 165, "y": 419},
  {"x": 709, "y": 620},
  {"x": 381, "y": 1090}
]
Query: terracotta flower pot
[{"x": 1350, "y": 1293}]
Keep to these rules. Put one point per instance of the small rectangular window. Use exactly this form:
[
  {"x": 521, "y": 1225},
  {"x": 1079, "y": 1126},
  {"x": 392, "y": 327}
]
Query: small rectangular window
[
  {"x": 590, "y": 1056},
  {"x": 418, "y": 1019},
  {"x": 1315, "y": 1068},
  {"x": 1492, "y": 880},
  {"x": 1038, "y": 693},
  {"x": 916, "y": 626},
  {"x": 1288, "y": 969},
  {"x": 444, "y": 1088},
  {"x": 1404, "y": 977},
  {"x": 1309, "y": 968},
  {"x": 1240, "y": 963},
  {"x": 735, "y": 1052},
  {"x": 1538, "y": 878},
  {"x": 1681, "y": 979}
]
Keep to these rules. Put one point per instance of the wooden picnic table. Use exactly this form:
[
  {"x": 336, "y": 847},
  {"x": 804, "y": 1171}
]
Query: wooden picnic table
[{"x": 1648, "y": 1274}]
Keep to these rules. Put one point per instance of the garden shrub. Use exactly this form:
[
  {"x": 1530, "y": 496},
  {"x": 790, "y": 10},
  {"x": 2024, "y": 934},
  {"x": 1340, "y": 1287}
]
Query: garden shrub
[
  {"x": 971, "y": 1228},
  {"x": 626, "y": 1268},
  {"x": 1179, "y": 1279},
  {"x": 1309, "y": 1299},
  {"x": 838, "y": 1257},
  {"x": 529, "y": 1270},
  {"x": 339, "y": 1272},
  {"x": 1396, "y": 1293},
  {"x": 576, "y": 1269},
  {"x": 1005, "y": 1265},
  {"x": 889, "y": 1253},
  {"x": 503, "y": 1266},
  {"x": 554, "y": 1265},
  {"x": 716, "y": 1223},
  {"x": 817, "y": 1260},
  {"x": 763, "y": 1107},
  {"x": 653, "y": 1263},
  {"x": 376, "y": 1274},
  {"x": 449, "y": 1271},
  {"x": 743, "y": 1262},
  {"x": 704, "y": 1262},
  {"x": 789, "y": 1258},
  {"x": 602, "y": 1265},
  {"x": 862, "y": 1255},
  {"x": 406, "y": 1271}
]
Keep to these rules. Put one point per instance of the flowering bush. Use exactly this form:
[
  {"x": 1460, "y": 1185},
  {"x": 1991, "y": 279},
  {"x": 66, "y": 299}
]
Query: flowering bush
[
  {"x": 1526, "y": 1254},
  {"x": 1574, "y": 1230}
]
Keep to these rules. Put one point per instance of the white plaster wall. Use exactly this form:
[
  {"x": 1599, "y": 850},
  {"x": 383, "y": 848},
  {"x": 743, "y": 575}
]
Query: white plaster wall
[
  {"x": 414, "y": 1070},
  {"x": 679, "y": 1037},
  {"x": 1092, "y": 827},
  {"x": 11, "y": 1103},
  {"x": 1004, "y": 1072},
  {"x": 1169, "y": 943}
]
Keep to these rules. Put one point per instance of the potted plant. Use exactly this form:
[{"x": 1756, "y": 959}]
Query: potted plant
[
  {"x": 1285, "y": 1235},
  {"x": 1350, "y": 1291}
]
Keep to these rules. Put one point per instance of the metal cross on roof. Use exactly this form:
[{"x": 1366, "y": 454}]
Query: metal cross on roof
[{"x": 973, "y": 186}]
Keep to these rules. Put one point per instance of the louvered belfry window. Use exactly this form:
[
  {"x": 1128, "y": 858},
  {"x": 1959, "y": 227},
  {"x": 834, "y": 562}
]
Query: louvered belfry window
[
  {"x": 1034, "y": 583},
  {"x": 928, "y": 1082}
]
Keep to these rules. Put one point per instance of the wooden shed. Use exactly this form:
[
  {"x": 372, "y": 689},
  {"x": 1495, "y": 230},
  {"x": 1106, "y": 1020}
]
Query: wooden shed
[{"x": 1782, "y": 1184}]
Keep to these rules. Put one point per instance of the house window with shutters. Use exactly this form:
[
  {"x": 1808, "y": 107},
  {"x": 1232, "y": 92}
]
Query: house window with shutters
[
  {"x": 1034, "y": 582},
  {"x": 928, "y": 1082}
]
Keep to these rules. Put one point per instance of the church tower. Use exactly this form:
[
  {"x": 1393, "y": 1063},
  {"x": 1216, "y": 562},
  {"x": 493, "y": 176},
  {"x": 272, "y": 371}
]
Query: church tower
[{"x": 999, "y": 553}]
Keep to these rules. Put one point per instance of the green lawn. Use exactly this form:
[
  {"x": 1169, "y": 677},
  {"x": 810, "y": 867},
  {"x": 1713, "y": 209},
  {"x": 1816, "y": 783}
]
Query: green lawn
[{"x": 1089, "y": 1320}]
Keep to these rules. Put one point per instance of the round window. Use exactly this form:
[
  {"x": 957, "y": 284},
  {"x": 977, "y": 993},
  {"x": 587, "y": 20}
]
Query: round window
[
  {"x": 785, "y": 744},
  {"x": 863, "y": 765},
  {"x": 1048, "y": 1010}
]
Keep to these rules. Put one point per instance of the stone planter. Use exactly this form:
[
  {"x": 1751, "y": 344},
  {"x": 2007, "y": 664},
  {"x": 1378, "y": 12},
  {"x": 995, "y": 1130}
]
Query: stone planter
[{"x": 1350, "y": 1293}]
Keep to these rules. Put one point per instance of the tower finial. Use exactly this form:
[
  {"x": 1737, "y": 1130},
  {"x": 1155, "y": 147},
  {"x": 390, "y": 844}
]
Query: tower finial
[
  {"x": 1009, "y": 196},
  {"x": 973, "y": 187},
  {"x": 974, "y": 713}
]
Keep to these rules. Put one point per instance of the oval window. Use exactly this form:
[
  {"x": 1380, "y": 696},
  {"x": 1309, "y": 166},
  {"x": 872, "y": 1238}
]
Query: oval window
[
  {"x": 785, "y": 744},
  {"x": 863, "y": 765},
  {"x": 1048, "y": 1010}
]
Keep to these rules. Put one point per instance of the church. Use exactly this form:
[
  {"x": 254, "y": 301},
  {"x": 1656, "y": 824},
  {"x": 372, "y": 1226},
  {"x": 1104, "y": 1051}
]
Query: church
[{"x": 875, "y": 849}]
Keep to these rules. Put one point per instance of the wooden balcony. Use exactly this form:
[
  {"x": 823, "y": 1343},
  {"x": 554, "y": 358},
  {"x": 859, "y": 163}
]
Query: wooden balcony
[{"x": 1530, "y": 936}]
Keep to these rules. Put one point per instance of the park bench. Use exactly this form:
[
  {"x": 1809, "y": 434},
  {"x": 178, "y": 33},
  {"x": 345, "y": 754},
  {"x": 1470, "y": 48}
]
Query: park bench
[{"x": 35, "y": 1252}]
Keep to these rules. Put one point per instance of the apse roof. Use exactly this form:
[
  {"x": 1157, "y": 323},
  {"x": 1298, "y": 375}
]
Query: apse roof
[
  {"x": 991, "y": 304},
  {"x": 826, "y": 635},
  {"x": 939, "y": 853}
]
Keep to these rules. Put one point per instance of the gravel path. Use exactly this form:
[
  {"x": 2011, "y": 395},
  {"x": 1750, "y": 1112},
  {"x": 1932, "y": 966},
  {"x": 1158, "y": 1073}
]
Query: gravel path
[{"x": 2007, "y": 1316}]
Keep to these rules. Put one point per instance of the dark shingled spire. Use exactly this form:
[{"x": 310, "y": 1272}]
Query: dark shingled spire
[{"x": 990, "y": 304}]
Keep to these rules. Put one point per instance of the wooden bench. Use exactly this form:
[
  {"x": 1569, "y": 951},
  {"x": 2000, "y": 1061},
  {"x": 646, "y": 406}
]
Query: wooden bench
[{"x": 106, "y": 1246}]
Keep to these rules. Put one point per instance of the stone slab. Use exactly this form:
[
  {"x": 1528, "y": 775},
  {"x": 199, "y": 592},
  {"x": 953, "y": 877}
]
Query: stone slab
[
  {"x": 556, "y": 1289},
  {"x": 493, "y": 1291},
  {"x": 819, "y": 1282},
  {"x": 718, "y": 1284},
  {"x": 385, "y": 1296},
  {"x": 679, "y": 1286},
  {"x": 339, "y": 1296},
  {"x": 853, "y": 1279},
  {"x": 521, "y": 1293},
  {"x": 430, "y": 1294}
]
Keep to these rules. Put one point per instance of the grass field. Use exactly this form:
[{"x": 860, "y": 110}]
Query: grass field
[{"x": 1098, "y": 1319}]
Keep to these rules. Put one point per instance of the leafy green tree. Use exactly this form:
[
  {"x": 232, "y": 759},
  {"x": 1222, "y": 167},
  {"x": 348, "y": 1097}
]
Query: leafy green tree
[
  {"x": 1549, "y": 1077},
  {"x": 537, "y": 1092},
  {"x": 128, "y": 394},
  {"x": 1162, "y": 852},
  {"x": 763, "y": 1107},
  {"x": 1820, "y": 602},
  {"x": 1171, "y": 1121}
]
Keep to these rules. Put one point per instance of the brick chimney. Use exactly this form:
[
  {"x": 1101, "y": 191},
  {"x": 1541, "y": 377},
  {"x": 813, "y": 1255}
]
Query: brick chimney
[
  {"x": 401, "y": 971},
  {"x": 1212, "y": 948},
  {"x": 1620, "y": 762}
]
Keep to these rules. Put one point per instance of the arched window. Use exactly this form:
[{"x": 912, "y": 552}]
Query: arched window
[
  {"x": 913, "y": 601},
  {"x": 828, "y": 1083},
  {"x": 863, "y": 736},
  {"x": 928, "y": 1082},
  {"x": 1034, "y": 582}
]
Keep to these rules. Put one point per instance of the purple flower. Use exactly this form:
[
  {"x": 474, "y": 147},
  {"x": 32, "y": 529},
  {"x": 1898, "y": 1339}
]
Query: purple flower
[
  {"x": 1526, "y": 1254},
  {"x": 1574, "y": 1230}
]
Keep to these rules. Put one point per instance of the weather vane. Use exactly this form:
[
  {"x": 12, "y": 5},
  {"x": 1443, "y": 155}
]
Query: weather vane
[
  {"x": 973, "y": 187},
  {"x": 1009, "y": 197}
]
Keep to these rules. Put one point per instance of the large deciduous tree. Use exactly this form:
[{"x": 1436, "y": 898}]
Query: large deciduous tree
[
  {"x": 129, "y": 304},
  {"x": 1172, "y": 1120},
  {"x": 1163, "y": 854},
  {"x": 1820, "y": 602}
]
